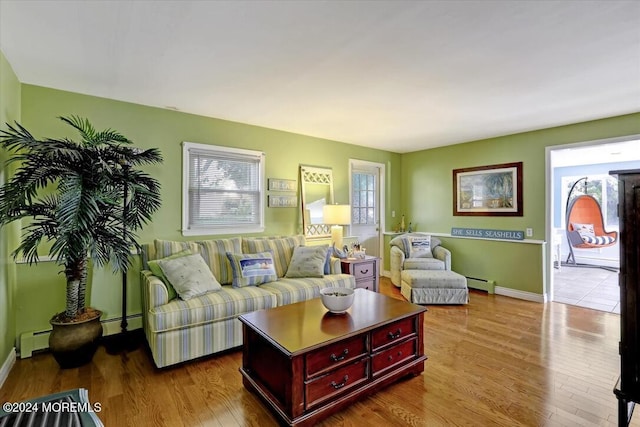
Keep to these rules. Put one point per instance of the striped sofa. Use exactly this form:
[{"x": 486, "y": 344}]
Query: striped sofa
[{"x": 178, "y": 330}]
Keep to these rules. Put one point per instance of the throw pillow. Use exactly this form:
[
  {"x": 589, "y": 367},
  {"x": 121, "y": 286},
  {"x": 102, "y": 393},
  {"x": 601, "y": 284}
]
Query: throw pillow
[
  {"x": 402, "y": 242},
  {"x": 280, "y": 247},
  {"x": 157, "y": 271},
  {"x": 214, "y": 252},
  {"x": 420, "y": 247},
  {"x": 165, "y": 248},
  {"x": 308, "y": 261},
  {"x": 585, "y": 230},
  {"x": 190, "y": 275},
  {"x": 252, "y": 269}
]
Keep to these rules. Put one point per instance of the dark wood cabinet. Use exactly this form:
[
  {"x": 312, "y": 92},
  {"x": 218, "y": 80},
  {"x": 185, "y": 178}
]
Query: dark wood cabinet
[
  {"x": 628, "y": 388},
  {"x": 320, "y": 363}
]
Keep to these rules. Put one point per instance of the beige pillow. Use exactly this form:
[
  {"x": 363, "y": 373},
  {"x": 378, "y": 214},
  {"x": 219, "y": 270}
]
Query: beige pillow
[
  {"x": 308, "y": 261},
  {"x": 157, "y": 271},
  {"x": 190, "y": 276}
]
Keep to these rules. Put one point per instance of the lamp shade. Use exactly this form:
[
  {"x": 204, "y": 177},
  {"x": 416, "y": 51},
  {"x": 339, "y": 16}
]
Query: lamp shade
[{"x": 336, "y": 214}]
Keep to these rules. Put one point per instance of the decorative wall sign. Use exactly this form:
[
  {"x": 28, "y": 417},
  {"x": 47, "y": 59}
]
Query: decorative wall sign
[
  {"x": 494, "y": 190},
  {"x": 484, "y": 233},
  {"x": 283, "y": 201},
  {"x": 282, "y": 184}
]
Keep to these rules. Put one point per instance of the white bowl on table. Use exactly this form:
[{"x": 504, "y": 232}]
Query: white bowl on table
[{"x": 337, "y": 300}]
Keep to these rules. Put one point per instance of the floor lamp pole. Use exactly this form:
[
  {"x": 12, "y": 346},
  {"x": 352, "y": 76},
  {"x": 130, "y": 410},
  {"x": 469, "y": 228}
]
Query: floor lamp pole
[
  {"x": 124, "y": 340},
  {"x": 123, "y": 323}
]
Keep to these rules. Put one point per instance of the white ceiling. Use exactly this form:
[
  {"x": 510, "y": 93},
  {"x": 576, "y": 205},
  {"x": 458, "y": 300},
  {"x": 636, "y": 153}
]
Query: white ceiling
[{"x": 395, "y": 75}]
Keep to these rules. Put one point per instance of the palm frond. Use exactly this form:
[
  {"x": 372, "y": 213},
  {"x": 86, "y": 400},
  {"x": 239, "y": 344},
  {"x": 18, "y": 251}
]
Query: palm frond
[
  {"x": 72, "y": 194},
  {"x": 83, "y": 126}
]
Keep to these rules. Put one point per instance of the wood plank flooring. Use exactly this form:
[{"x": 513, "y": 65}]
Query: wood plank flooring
[{"x": 495, "y": 362}]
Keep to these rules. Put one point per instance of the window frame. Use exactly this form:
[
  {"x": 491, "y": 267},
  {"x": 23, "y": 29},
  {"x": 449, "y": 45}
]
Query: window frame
[{"x": 236, "y": 228}]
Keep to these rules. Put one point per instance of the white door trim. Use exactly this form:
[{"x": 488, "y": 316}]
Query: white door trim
[{"x": 381, "y": 202}]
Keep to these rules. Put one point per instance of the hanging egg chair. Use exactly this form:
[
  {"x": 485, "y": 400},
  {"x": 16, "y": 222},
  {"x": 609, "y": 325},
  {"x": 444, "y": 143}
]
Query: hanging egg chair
[{"x": 585, "y": 224}]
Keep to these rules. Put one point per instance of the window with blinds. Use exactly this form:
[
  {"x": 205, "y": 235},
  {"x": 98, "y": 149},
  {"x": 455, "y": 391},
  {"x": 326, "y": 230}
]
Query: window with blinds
[{"x": 223, "y": 190}]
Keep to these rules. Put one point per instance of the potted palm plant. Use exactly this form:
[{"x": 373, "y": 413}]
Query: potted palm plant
[{"x": 87, "y": 199}]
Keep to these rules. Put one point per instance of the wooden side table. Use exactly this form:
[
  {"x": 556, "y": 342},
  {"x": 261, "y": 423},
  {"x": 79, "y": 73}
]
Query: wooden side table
[{"x": 366, "y": 271}]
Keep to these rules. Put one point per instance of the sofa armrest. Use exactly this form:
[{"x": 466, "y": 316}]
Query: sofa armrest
[
  {"x": 443, "y": 255},
  {"x": 336, "y": 265},
  {"x": 396, "y": 262},
  {"x": 154, "y": 291}
]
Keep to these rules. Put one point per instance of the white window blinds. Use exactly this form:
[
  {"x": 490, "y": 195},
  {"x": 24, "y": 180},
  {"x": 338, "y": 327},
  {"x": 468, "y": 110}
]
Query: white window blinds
[{"x": 223, "y": 190}]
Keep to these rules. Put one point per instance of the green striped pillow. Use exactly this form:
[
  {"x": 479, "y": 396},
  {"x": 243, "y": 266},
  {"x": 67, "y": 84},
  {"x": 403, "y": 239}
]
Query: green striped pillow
[
  {"x": 165, "y": 248},
  {"x": 214, "y": 253},
  {"x": 282, "y": 249}
]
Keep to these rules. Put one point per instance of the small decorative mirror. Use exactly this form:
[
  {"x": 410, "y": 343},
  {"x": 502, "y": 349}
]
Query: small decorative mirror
[{"x": 317, "y": 191}]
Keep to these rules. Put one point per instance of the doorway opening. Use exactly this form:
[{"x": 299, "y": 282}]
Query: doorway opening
[{"x": 591, "y": 279}]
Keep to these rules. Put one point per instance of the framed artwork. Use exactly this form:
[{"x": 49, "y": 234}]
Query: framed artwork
[
  {"x": 282, "y": 184},
  {"x": 282, "y": 201},
  {"x": 494, "y": 190}
]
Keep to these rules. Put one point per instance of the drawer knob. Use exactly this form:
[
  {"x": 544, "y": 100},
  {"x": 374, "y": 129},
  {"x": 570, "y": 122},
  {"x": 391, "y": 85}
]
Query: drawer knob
[
  {"x": 393, "y": 336},
  {"x": 364, "y": 271},
  {"x": 335, "y": 358},
  {"x": 340, "y": 385},
  {"x": 390, "y": 357}
]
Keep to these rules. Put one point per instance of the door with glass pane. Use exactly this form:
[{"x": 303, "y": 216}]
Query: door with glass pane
[{"x": 365, "y": 205}]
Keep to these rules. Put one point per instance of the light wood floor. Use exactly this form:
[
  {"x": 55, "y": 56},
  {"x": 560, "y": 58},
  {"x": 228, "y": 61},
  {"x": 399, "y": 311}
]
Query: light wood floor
[{"x": 495, "y": 362}]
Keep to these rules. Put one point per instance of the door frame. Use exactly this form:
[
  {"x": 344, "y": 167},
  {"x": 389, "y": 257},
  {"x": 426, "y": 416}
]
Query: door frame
[
  {"x": 382, "y": 184},
  {"x": 549, "y": 286}
]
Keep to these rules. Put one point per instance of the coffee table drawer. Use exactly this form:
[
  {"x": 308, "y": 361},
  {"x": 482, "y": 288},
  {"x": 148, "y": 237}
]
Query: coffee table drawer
[
  {"x": 393, "y": 332},
  {"x": 336, "y": 382},
  {"x": 391, "y": 357},
  {"x": 335, "y": 355}
]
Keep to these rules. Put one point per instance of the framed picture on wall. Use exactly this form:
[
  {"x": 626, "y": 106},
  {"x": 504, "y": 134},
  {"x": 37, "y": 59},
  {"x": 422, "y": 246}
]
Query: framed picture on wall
[
  {"x": 493, "y": 190},
  {"x": 276, "y": 184},
  {"x": 282, "y": 201}
]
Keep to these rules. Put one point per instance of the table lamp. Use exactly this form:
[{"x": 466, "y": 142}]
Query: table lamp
[{"x": 336, "y": 216}]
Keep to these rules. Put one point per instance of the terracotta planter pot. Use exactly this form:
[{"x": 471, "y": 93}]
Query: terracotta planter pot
[{"x": 74, "y": 344}]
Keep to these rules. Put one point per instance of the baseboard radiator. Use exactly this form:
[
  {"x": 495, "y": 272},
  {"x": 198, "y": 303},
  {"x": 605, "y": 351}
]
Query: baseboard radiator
[
  {"x": 482, "y": 284},
  {"x": 39, "y": 340}
]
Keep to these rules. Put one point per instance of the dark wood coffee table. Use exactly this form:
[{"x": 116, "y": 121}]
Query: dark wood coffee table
[{"x": 307, "y": 363}]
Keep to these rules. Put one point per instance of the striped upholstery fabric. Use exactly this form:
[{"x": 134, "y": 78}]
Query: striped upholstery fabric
[
  {"x": 156, "y": 292},
  {"x": 598, "y": 240},
  {"x": 179, "y": 330},
  {"x": 288, "y": 291},
  {"x": 282, "y": 249},
  {"x": 180, "y": 345},
  {"x": 213, "y": 306},
  {"x": 214, "y": 253},
  {"x": 165, "y": 248}
]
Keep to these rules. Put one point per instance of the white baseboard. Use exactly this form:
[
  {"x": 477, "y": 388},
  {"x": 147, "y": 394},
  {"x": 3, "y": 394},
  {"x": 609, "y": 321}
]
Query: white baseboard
[
  {"x": 112, "y": 326},
  {"x": 39, "y": 340},
  {"x": 514, "y": 293},
  {"x": 7, "y": 365}
]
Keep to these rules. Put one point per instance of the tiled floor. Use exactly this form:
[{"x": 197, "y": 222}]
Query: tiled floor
[{"x": 594, "y": 288}]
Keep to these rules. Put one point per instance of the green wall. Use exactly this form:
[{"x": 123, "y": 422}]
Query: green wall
[
  {"x": 40, "y": 288},
  {"x": 9, "y": 112},
  {"x": 418, "y": 185},
  {"x": 427, "y": 183}
]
